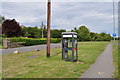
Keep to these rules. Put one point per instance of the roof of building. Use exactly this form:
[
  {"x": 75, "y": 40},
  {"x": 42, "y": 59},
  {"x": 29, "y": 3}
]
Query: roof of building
[{"x": 69, "y": 33}]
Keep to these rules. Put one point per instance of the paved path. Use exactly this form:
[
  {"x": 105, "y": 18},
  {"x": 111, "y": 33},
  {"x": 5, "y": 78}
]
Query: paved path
[
  {"x": 103, "y": 67},
  {"x": 28, "y": 48}
]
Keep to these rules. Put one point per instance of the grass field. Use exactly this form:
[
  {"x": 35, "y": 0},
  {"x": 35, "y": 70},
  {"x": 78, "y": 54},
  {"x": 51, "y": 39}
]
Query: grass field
[
  {"x": 115, "y": 56},
  {"x": 1, "y": 46},
  {"x": 0, "y": 66},
  {"x": 27, "y": 65}
]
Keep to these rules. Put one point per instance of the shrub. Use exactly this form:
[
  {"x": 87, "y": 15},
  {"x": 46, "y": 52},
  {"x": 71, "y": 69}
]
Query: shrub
[{"x": 34, "y": 41}]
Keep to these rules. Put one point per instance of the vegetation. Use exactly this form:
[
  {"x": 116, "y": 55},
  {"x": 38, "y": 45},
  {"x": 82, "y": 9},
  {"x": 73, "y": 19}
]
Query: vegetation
[
  {"x": 11, "y": 28},
  {"x": 116, "y": 58},
  {"x": 55, "y": 33},
  {"x": 0, "y": 67},
  {"x": 32, "y": 41},
  {"x": 2, "y": 18},
  {"x": 35, "y": 65},
  {"x": 35, "y": 32},
  {"x": 1, "y": 46},
  {"x": 84, "y": 34}
]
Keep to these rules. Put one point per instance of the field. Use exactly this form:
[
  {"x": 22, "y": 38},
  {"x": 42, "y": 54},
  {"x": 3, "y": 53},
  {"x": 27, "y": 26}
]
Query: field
[{"x": 35, "y": 65}]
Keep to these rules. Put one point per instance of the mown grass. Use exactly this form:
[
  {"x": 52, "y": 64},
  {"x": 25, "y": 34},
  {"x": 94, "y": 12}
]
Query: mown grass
[
  {"x": 0, "y": 76},
  {"x": 116, "y": 58},
  {"x": 23, "y": 66},
  {"x": 1, "y": 46},
  {"x": 0, "y": 66}
]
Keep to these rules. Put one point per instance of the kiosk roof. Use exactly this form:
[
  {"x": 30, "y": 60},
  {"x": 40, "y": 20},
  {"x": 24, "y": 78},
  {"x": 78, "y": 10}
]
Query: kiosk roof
[{"x": 69, "y": 33}]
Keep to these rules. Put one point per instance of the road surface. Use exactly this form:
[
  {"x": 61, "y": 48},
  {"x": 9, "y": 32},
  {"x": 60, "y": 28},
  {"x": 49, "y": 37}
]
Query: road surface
[
  {"x": 28, "y": 48},
  {"x": 103, "y": 67}
]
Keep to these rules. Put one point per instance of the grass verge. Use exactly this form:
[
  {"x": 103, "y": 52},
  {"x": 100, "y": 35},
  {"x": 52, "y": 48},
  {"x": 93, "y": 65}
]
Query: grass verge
[
  {"x": 115, "y": 56},
  {"x": 35, "y": 65},
  {"x": 1, "y": 46},
  {"x": 0, "y": 67}
]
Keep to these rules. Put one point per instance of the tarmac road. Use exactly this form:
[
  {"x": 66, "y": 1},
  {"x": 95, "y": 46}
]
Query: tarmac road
[
  {"x": 28, "y": 48},
  {"x": 103, "y": 67}
]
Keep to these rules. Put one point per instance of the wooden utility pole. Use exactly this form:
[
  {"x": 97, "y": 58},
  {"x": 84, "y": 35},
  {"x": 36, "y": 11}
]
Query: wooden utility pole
[{"x": 48, "y": 27}]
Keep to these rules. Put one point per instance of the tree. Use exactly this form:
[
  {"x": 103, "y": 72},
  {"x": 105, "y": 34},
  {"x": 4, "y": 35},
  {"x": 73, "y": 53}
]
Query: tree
[
  {"x": 11, "y": 28},
  {"x": 93, "y": 36},
  {"x": 55, "y": 33},
  {"x": 99, "y": 38},
  {"x": 45, "y": 31},
  {"x": 35, "y": 32},
  {"x": 105, "y": 37},
  {"x": 31, "y": 32},
  {"x": 2, "y": 19},
  {"x": 83, "y": 33}
]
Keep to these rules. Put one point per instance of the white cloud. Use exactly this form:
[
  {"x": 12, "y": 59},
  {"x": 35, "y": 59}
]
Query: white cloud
[
  {"x": 27, "y": 19},
  {"x": 96, "y": 16},
  {"x": 59, "y": 0}
]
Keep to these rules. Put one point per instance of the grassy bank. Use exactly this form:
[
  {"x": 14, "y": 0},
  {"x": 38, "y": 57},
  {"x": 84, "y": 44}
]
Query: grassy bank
[
  {"x": 115, "y": 56},
  {"x": 35, "y": 65}
]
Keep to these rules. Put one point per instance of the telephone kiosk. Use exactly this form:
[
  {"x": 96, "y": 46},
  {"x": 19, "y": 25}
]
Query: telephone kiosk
[{"x": 69, "y": 46}]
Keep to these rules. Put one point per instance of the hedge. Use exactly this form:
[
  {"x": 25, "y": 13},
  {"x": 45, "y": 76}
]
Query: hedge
[
  {"x": 1, "y": 40},
  {"x": 33, "y": 41}
]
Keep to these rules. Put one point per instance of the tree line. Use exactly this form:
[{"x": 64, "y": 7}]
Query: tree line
[
  {"x": 84, "y": 34},
  {"x": 36, "y": 32},
  {"x": 11, "y": 28}
]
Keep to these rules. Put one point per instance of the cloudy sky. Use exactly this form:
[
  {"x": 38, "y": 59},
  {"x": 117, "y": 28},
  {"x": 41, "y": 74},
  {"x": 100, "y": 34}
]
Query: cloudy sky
[{"x": 97, "y": 16}]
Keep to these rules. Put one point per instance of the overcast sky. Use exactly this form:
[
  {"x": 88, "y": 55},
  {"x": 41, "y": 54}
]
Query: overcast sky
[{"x": 97, "y": 16}]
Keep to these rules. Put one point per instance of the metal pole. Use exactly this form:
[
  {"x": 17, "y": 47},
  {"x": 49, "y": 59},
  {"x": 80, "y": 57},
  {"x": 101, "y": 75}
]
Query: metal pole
[
  {"x": 114, "y": 20},
  {"x": 72, "y": 47},
  {"x": 42, "y": 29},
  {"x": 76, "y": 50},
  {"x": 48, "y": 27}
]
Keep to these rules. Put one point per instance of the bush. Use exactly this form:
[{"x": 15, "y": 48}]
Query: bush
[
  {"x": 34, "y": 41},
  {"x": 1, "y": 40}
]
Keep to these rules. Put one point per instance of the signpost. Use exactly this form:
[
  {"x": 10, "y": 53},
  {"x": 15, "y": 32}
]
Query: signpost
[{"x": 114, "y": 35}]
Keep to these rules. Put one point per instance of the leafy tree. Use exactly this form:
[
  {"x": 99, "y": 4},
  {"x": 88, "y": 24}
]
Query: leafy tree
[
  {"x": 99, "y": 38},
  {"x": 2, "y": 19},
  {"x": 34, "y": 32},
  {"x": 31, "y": 32},
  {"x": 11, "y": 28},
  {"x": 55, "y": 33},
  {"x": 83, "y": 33},
  {"x": 106, "y": 37},
  {"x": 93, "y": 36},
  {"x": 44, "y": 32}
]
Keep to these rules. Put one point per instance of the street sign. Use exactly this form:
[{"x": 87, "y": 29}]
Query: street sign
[{"x": 114, "y": 34}]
